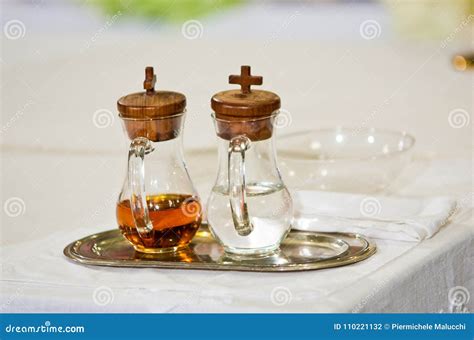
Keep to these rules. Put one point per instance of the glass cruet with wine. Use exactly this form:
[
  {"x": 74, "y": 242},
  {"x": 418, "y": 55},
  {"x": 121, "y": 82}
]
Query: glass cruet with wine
[{"x": 158, "y": 209}]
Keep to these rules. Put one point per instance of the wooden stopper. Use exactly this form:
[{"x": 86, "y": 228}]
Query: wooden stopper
[
  {"x": 153, "y": 114},
  {"x": 245, "y": 111}
]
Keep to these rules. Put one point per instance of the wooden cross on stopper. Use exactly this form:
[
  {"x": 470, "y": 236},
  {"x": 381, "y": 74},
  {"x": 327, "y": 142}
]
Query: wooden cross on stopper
[
  {"x": 245, "y": 80},
  {"x": 150, "y": 80}
]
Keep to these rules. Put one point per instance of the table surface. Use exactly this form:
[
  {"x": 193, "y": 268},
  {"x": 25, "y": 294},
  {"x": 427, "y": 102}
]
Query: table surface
[{"x": 67, "y": 171}]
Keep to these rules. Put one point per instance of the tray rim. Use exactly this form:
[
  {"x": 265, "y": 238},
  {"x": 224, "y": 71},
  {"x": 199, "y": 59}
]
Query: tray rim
[{"x": 75, "y": 257}]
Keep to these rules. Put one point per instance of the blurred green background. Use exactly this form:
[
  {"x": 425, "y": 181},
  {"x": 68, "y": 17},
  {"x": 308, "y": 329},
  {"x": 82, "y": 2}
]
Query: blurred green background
[
  {"x": 411, "y": 18},
  {"x": 172, "y": 10}
]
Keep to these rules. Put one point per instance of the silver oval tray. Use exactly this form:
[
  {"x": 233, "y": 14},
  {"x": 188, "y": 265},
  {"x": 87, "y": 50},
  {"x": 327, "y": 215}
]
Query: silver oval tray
[{"x": 301, "y": 250}]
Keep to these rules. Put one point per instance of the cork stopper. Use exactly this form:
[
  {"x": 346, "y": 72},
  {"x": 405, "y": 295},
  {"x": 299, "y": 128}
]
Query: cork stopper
[
  {"x": 152, "y": 114},
  {"x": 245, "y": 111}
]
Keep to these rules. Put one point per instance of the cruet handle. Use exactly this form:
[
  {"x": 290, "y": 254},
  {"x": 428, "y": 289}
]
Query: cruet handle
[
  {"x": 139, "y": 147},
  {"x": 237, "y": 195}
]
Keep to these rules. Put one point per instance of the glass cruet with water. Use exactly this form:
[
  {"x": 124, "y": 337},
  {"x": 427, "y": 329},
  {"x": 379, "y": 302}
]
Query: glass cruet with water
[
  {"x": 158, "y": 209},
  {"x": 249, "y": 210}
]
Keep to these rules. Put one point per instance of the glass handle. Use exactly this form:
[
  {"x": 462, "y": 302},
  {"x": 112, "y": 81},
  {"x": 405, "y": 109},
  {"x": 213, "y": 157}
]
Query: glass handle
[
  {"x": 139, "y": 147},
  {"x": 237, "y": 196}
]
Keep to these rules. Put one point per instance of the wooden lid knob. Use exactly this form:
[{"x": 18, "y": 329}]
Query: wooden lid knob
[
  {"x": 245, "y": 80},
  {"x": 151, "y": 103},
  {"x": 245, "y": 103},
  {"x": 150, "y": 80}
]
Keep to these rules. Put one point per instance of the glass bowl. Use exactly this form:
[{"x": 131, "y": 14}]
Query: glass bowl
[{"x": 343, "y": 159}]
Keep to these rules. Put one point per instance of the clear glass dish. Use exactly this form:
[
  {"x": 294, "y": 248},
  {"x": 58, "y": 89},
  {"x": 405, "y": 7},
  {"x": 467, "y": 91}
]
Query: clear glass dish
[{"x": 343, "y": 159}]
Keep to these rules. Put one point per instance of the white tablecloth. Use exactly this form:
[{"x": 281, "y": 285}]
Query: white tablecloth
[{"x": 400, "y": 277}]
